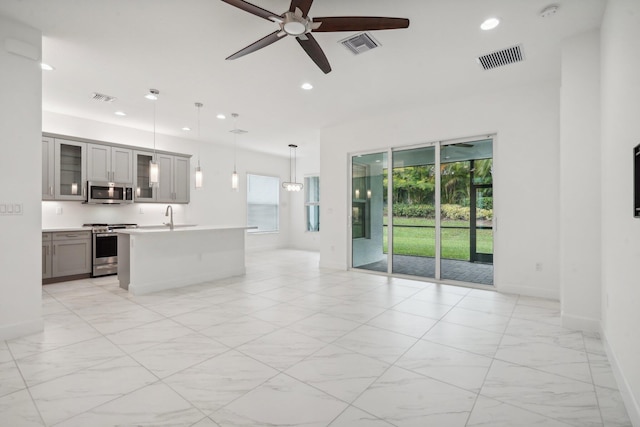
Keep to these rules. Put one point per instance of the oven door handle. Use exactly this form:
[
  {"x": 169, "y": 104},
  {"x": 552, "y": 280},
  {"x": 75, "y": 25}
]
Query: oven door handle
[{"x": 106, "y": 235}]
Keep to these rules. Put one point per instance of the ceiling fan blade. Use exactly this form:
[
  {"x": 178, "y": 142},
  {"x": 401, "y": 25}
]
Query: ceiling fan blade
[
  {"x": 263, "y": 42},
  {"x": 313, "y": 49},
  {"x": 303, "y": 5},
  {"x": 359, "y": 23},
  {"x": 253, "y": 9}
]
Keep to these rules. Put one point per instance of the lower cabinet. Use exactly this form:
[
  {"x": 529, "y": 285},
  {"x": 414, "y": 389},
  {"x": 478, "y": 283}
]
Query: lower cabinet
[
  {"x": 46, "y": 255},
  {"x": 67, "y": 254}
]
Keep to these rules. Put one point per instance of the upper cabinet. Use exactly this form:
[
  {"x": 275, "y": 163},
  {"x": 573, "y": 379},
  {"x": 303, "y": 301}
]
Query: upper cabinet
[
  {"x": 68, "y": 164},
  {"x": 144, "y": 192},
  {"x": 70, "y": 170},
  {"x": 173, "y": 186},
  {"x": 109, "y": 164},
  {"x": 48, "y": 161}
]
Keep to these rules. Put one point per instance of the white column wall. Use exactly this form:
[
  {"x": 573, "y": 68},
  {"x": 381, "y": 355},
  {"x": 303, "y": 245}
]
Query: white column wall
[
  {"x": 580, "y": 199},
  {"x": 620, "y": 47},
  {"x": 20, "y": 183},
  {"x": 213, "y": 204},
  {"x": 307, "y": 165},
  {"x": 526, "y": 121}
]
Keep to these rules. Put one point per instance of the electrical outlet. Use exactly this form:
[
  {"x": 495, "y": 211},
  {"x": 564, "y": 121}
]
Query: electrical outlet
[
  {"x": 59, "y": 210},
  {"x": 141, "y": 210},
  {"x": 538, "y": 266}
]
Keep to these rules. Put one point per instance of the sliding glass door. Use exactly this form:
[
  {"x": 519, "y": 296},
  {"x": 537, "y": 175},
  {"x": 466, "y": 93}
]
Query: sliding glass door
[
  {"x": 414, "y": 212},
  {"x": 368, "y": 209},
  {"x": 428, "y": 212},
  {"x": 466, "y": 211}
]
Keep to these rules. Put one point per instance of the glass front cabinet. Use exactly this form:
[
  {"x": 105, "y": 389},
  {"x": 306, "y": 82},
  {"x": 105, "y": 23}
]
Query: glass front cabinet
[
  {"x": 143, "y": 191},
  {"x": 70, "y": 167}
]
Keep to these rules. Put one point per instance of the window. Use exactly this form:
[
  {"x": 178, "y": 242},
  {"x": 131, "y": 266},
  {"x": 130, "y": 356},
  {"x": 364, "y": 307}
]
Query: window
[
  {"x": 263, "y": 194},
  {"x": 312, "y": 202}
]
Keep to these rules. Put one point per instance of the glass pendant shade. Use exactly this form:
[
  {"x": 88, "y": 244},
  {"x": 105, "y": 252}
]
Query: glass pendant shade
[
  {"x": 234, "y": 181},
  {"x": 198, "y": 177},
  {"x": 154, "y": 173}
]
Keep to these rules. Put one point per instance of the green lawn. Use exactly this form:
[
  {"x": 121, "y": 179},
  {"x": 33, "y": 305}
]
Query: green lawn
[{"x": 421, "y": 241}]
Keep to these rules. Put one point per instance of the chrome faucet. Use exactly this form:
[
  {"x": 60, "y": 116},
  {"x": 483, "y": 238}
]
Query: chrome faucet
[{"x": 170, "y": 223}]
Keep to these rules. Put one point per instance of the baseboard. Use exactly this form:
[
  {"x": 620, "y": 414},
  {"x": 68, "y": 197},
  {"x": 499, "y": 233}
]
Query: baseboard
[
  {"x": 580, "y": 323},
  {"x": 529, "y": 291},
  {"x": 632, "y": 406},
  {"x": 332, "y": 265},
  {"x": 18, "y": 330}
]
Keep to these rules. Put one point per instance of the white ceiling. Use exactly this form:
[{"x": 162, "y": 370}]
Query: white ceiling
[{"x": 123, "y": 48}]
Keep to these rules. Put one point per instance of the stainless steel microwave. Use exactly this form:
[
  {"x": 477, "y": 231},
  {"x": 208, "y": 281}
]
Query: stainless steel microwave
[{"x": 108, "y": 193}]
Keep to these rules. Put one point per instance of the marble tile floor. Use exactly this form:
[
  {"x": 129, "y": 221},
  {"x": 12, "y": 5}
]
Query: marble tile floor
[{"x": 290, "y": 344}]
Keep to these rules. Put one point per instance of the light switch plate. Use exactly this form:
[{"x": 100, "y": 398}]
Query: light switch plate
[
  {"x": 3, "y": 209},
  {"x": 17, "y": 209}
]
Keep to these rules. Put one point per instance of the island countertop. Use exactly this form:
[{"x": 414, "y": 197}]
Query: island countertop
[{"x": 179, "y": 228}]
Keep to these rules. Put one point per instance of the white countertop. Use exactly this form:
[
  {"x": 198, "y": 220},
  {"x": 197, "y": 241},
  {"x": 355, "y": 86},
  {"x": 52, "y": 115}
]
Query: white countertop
[
  {"x": 65, "y": 229},
  {"x": 178, "y": 228}
]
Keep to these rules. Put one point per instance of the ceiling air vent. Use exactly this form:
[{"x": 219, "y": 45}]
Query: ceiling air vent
[
  {"x": 360, "y": 43},
  {"x": 102, "y": 97},
  {"x": 502, "y": 57}
]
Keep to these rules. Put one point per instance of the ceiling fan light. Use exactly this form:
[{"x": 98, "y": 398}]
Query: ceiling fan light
[{"x": 294, "y": 28}]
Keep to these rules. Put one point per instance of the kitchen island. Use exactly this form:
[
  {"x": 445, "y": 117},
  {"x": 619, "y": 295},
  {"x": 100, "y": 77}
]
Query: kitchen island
[{"x": 156, "y": 258}]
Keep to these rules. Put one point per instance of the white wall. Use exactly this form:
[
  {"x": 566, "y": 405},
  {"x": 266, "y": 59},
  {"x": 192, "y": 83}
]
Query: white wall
[
  {"x": 580, "y": 199},
  {"x": 526, "y": 120},
  {"x": 20, "y": 182},
  {"x": 214, "y": 204},
  {"x": 620, "y": 47}
]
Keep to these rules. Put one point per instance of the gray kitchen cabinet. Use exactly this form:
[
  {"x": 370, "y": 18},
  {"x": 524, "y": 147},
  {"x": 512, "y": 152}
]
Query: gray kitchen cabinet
[
  {"x": 144, "y": 192},
  {"x": 173, "y": 186},
  {"x": 46, "y": 255},
  {"x": 70, "y": 169},
  {"x": 48, "y": 162},
  {"x": 109, "y": 164},
  {"x": 71, "y": 253}
]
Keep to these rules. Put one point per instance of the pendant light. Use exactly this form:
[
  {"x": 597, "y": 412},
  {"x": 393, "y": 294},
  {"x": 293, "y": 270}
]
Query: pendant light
[
  {"x": 198, "y": 169},
  {"x": 292, "y": 185},
  {"x": 235, "y": 131},
  {"x": 154, "y": 171}
]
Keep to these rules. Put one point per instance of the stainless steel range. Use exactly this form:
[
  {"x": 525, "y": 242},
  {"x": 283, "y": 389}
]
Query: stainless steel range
[{"x": 105, "y": 248}]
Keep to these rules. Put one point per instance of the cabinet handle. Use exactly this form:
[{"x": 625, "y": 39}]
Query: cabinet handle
[
  {"x": 54, "y": 250},
  {"x": 51, "y": 191},
  {"x": 71, "y": 235}
]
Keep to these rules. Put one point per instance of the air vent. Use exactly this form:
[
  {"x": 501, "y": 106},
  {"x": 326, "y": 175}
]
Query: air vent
[
  {"x": 238, "y": 131},
  {"x": 360, "y": 43},
  {"x": 502, "y": 57},
  {"x": 102, "y": 97}
]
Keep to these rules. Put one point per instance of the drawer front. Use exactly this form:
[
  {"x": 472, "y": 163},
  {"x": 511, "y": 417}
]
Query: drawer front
[
  {"x": 71, "y": 235},
  {"x": 46, "y": 237}
]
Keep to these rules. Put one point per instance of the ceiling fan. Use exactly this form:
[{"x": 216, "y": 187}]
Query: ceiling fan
[{"x": 296, "y": 23}]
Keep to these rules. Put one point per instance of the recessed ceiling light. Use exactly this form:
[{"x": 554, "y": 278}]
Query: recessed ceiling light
[
  {"x": 490, "y": 24},
  {"x": 120, "y": 113},
  {"x": 307, "y": 86},
  {"x": 186, "y": 128},
  {"x": 46, "y": 67},
  {"x": 221, "y": 116}
]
